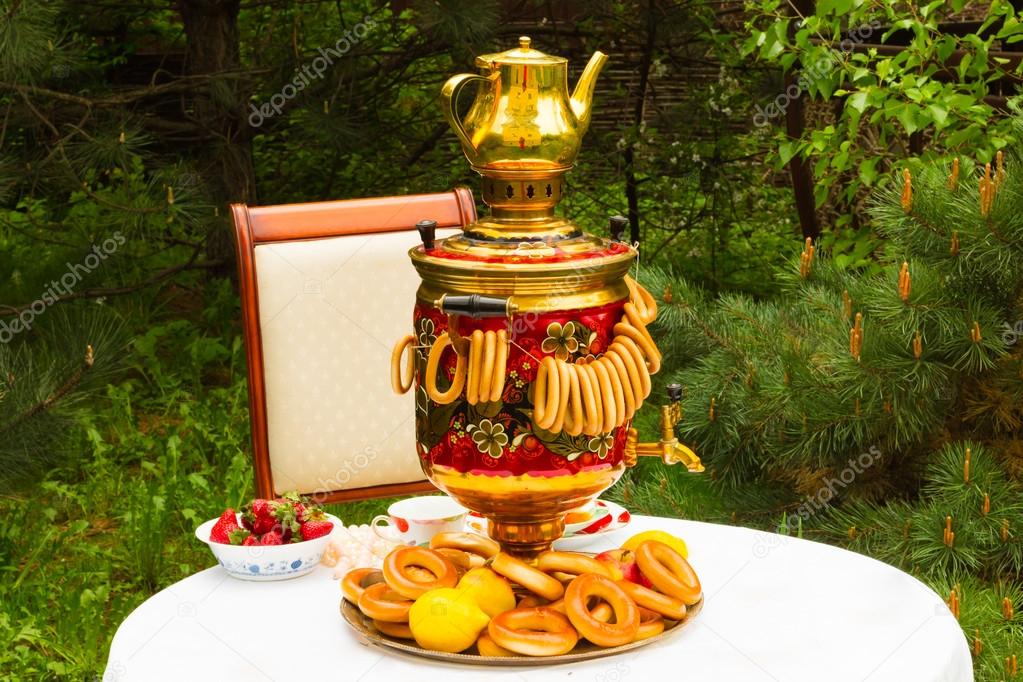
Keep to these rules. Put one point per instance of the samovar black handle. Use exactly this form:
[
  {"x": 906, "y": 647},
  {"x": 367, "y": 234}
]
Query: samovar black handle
[
  {"x": 617, "y": 225},
  {"x": 476, "y": 306},
  {"x": 427, "y": 232}
]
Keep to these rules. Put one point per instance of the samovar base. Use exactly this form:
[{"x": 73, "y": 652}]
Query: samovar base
[
  {"x": 524, "y": 513},
  {"x": 526, "y": 538}
]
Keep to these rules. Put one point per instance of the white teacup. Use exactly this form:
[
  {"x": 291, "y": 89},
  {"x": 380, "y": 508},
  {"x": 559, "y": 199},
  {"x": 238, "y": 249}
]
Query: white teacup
[{"x": 415, "y": 520}]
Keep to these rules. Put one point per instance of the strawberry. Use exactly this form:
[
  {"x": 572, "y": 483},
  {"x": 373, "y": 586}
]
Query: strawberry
[
  {"x": 272, "y": 538},
  {"x": 297, "y": 503},
  {"x": 259, "y": 516},
  {"x": 285, "y": 520},
  {"x": 316, "y": 529},
  {"x": 239, "y": 535},
  {"x": 222, "y": 528},
  {"x": 250, "y": 541},
  {"x": 312, "y": 514}
]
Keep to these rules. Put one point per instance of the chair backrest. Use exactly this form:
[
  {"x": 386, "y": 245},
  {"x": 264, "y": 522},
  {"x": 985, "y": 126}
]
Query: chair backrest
[{"x": 326, "y": 290}]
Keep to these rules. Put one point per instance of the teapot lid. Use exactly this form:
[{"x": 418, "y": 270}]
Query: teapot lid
[{"x": 523, "y": 54}]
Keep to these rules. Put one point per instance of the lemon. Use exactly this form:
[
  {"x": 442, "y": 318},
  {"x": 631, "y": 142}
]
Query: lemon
[
  {"x": 488, "y": 590},
  {"x": 677, "y": 544},
  {"x": 446, "y": 619}
]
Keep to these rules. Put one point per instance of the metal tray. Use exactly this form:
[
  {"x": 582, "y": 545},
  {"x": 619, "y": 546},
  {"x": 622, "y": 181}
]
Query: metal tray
[{"x": 583, "y": 651}]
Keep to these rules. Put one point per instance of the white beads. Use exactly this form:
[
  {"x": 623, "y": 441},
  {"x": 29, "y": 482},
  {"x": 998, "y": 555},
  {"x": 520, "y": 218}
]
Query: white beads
[{"x": 356, "y": 547}]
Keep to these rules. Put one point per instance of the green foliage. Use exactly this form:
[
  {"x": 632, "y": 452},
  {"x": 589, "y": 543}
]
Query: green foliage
[
  {"x": 936, "y": 87},
  {"x": 45, "y": 376}
]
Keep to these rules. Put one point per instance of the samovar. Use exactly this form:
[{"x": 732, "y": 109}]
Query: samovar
[{"x": 530, "y": 353}]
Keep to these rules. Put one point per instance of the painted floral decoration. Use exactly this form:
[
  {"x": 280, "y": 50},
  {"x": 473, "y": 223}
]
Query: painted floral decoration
[
  {"x": 489, "y": 437},
  {"x": 586, "y": 348},
  {"x": 422, "y": 401},
  {"x": 560, "y": 340},
  {"x": 427, "y": 331},
  {"x": 534, "y": 250},
  {"x": 601, "y": 445}
]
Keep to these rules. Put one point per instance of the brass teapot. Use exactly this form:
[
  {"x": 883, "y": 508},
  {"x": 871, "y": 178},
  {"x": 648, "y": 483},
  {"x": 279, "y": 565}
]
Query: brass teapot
[{"x": 523, "y": 118}]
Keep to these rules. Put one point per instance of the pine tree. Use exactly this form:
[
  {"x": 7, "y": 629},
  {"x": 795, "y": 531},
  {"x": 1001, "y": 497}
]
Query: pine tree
[{"x": 881, "y": 412}]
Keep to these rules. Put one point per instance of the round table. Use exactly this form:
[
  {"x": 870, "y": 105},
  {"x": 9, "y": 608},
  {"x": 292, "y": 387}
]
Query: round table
[{"x": 777, "y": 608}]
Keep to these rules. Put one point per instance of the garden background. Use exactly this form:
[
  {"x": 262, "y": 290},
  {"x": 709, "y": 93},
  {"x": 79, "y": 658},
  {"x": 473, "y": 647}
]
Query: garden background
[{"x": 727, "y": 132}]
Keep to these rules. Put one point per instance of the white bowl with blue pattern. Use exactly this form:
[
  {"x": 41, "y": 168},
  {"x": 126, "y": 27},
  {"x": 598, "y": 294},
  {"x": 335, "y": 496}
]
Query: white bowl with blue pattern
[{"x": 268, "y": 562}]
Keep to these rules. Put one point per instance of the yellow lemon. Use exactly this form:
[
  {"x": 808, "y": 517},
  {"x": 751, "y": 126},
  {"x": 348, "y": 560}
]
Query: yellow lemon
[
  {"x": 677, "y": 544},
  {"x": 488, "y": 590},
  {"x": 445, "y": 619}
]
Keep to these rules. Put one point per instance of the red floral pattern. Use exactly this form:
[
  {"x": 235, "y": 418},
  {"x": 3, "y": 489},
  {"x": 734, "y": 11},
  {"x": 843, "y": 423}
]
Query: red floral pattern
[
  {"x": 445, "y": 431},
  {"x": 553, "y": 254}
]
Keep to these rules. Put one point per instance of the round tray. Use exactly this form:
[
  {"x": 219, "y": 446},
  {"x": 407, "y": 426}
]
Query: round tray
[{"x": 583, "y": 651}]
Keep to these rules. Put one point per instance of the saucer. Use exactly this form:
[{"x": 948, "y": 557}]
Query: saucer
[{"x": 608, "y": 517}]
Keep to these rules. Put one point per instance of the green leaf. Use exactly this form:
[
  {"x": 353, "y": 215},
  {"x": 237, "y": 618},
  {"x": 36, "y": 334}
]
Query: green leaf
[
  {"x": 839, "y": 7},
  {"x": 882, "y": 68},
  {"x": 907, "y": 117},
  {"x": 868, "y": 170},
  {"x": 787, "y": 149},
  {"x": 939, "y": 115},
  {"x": 858, "y": 101}
]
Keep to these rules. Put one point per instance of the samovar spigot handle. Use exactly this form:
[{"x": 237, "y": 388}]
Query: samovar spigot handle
[
  {"x": 476, "y": 306},
  {"x": 669, "y": 449}
]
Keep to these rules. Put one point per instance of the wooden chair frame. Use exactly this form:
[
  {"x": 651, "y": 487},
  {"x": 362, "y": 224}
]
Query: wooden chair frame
[{"x": 295, "y": 222}]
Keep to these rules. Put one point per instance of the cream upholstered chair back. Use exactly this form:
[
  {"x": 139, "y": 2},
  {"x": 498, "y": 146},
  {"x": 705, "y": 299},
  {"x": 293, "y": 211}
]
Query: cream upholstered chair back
[{"x": 327, "y": 289}]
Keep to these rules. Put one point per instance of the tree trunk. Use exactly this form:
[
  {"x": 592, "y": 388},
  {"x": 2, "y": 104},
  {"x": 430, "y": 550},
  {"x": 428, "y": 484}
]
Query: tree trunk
[
  {"x": 639, "y": 113},
  {"x": 211, "y": 31}
]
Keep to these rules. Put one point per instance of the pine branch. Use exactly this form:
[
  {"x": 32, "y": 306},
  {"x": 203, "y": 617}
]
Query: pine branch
[
  {"x": 98, "y": 292},
  {"x": 64, "y": 389}
]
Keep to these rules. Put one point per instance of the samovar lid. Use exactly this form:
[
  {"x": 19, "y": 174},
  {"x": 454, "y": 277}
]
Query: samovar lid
[
  {"x": 523, "y": 54},
  {"x": 545, "y": 274},
  {"x": 538, "y": 252}
]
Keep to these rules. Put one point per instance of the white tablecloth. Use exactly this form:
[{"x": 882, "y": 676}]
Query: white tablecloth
[{"x": 776, "y": 608}]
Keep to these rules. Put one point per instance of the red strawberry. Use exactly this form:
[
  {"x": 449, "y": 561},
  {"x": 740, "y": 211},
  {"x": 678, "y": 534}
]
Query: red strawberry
[
  {"x": 250, "y": 541},
  {"x": 259, "y": 516},
  {"x": 285, "y": 521},
  {"x": 316, "y": 529},
  {"x": 272, "y": 538},
  {"x": 297, "y": 503},
  {"x": 228, "y": 517},
  {"x": 239, "y": 535},
  {"x": 222, "y": 528}
]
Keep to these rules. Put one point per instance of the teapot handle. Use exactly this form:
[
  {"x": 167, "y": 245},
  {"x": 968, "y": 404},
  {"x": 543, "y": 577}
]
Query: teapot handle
[{"x": 449, "y": 98}]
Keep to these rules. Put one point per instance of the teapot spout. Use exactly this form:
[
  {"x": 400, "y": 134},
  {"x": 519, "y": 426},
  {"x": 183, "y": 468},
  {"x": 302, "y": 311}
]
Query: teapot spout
[{"x": 582, "y": 96}]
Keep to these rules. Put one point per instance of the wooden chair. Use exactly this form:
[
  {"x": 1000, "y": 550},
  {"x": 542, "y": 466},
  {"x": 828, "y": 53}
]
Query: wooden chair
[{"x": 326, "y": 289}]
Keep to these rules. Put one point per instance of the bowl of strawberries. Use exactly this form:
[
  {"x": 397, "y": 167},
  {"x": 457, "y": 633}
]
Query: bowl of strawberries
[{"x": 273, "y": 539}]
